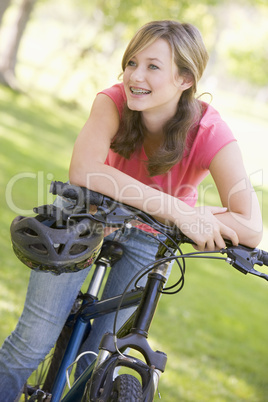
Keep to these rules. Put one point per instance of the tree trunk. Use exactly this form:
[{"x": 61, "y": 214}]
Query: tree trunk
[
  {"x": 9, "y": 58},
  {"x": 3, "y": 6}
]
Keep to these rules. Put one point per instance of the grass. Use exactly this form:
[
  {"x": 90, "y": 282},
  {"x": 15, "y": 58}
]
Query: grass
[
  {"x": 217, "y": 334},
  {"x": 36, "y": 145},
  {"x": 214, "y": 331}
]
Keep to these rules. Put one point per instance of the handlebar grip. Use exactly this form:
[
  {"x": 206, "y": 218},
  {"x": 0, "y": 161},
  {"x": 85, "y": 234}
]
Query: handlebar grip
[
  {"x": 263, "y": 256},
  {"x": 80, "y": 194}
]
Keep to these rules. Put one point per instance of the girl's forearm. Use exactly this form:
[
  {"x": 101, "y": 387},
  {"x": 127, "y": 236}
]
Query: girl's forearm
[
  {"x": 121, "y": 187},
  {"x": 203, "y": 228},
  {"x": 248, "y": 229}
]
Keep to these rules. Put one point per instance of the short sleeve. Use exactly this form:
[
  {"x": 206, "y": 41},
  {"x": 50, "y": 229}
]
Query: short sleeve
[
  {"x": 213, "y": 134},
  {"x": 118, "y": 96}
]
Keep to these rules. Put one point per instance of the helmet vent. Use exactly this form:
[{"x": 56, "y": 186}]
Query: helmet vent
[
  {"x": 58, "y": 247},
  {"x": 85, "y": 233},
  {"x": 39, "y": 248},
  {"x": 77, "y": 249},
  {"x": 29, "y": 232}
]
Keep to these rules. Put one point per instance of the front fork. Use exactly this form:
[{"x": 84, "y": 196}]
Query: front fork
[{"x": 133, "y": 334}]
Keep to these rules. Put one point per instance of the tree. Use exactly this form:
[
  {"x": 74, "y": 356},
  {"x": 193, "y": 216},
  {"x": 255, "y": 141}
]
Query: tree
[
  {"x": 4, "y": 4},
  {"x": 9, "y": 57}
]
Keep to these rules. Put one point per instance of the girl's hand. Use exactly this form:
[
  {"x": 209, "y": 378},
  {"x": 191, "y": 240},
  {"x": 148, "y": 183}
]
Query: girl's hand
[{"x": 206, "y": 230}]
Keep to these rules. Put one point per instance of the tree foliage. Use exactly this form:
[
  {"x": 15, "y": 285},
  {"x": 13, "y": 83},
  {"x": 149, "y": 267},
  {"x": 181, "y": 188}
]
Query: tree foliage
[
  {"x": 68, "y": 42},
  {"x": 247, "y": 52}
]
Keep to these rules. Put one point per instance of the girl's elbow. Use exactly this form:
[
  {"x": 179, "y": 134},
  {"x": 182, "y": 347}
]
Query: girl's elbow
[
  {"x": 256, "y": 239},
  {"x": 75, "y": 176},
  {"x": 252, "y": 239}
]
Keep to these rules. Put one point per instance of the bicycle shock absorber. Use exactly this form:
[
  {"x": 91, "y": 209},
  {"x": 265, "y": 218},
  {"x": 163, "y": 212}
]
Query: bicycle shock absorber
[
  {"x": 153, "y": 290},
  {"x": 148, "y": 305},
  {"x": 134, "y": 335}
]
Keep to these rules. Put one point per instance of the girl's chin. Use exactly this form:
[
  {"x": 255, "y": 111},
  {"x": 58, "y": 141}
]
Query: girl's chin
[
  {"x": 136, "y": 105},
  {"x": 135, "y": 108}
]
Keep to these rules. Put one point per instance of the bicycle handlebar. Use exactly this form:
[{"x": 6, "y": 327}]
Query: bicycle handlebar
[
  {"x": 244, "y": 258},
  {"x": 81, "y": 194},
  {"x": 263, "y": 256},
  {"x": 110, "y": 211},
  {"x": 114, "y": 213}
]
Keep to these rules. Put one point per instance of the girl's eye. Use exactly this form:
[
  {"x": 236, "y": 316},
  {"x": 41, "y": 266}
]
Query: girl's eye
[
  {"x": 153, "y": 67},
  {"x": 131, "y": 63}
]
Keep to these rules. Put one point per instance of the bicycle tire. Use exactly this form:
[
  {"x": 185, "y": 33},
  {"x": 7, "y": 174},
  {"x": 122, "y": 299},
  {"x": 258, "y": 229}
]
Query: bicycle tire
[{"x": 126, "y": 388}]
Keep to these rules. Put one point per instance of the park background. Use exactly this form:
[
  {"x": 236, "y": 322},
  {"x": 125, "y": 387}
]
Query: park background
[{"x": 54, "y": 57}]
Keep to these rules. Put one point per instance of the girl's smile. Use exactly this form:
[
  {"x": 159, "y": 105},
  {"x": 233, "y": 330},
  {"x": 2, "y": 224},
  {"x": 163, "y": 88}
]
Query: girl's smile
[{"x": 139, "y": 91}]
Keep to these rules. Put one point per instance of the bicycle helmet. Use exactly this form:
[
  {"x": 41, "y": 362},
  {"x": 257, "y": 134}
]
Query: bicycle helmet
[{"x": 49, "y": 244}]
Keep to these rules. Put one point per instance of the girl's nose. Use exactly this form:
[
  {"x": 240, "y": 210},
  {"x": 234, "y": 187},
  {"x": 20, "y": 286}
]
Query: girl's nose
[{"x": 137, "y": 75}]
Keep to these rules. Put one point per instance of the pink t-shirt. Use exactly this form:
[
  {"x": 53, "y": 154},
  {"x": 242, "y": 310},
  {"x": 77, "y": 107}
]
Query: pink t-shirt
[{"x": 184, "y": 177}]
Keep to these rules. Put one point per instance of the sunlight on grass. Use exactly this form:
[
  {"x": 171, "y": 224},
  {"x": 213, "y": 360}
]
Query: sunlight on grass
[
  {"x": 215, "y": 335},
  {"x": 6, "y": 304},
  {"x": 216, "y": 385}
]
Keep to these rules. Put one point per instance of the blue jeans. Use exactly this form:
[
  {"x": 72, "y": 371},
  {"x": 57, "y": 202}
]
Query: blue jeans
[{"x": 48, "y": 302}]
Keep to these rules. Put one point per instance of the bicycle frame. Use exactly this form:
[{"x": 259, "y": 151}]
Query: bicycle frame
[
  {"x": 91, "y": 310},
  {"x": 132, "y": 334},
  {"x": 81, "y": 326}
]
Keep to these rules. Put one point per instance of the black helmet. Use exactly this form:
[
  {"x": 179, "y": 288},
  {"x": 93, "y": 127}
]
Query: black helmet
[{"x": 45, "y": 243}]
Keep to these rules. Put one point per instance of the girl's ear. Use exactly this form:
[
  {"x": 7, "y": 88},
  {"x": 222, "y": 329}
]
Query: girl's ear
[{"x": 184, "y": 81}]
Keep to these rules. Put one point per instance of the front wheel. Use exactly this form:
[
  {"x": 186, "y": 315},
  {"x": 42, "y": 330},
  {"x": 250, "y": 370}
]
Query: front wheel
[{"x": 126, "y": 388}]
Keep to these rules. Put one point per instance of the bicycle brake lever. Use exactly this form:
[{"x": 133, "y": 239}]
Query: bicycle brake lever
[{"x": 243, "y": 259}]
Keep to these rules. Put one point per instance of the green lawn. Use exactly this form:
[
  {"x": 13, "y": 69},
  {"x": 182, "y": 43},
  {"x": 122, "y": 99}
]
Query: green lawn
[{"x": 214, "y": 331}]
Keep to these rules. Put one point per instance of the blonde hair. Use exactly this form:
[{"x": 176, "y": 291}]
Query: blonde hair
[{"x": 190, "y": 56}]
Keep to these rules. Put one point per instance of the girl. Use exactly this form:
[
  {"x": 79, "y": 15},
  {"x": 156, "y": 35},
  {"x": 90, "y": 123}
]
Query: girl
[{"x": 148, "y": 142}]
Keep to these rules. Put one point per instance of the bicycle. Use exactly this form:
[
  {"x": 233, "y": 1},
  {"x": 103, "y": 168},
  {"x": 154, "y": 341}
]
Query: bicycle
[{"x": 99, "y": 381}]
